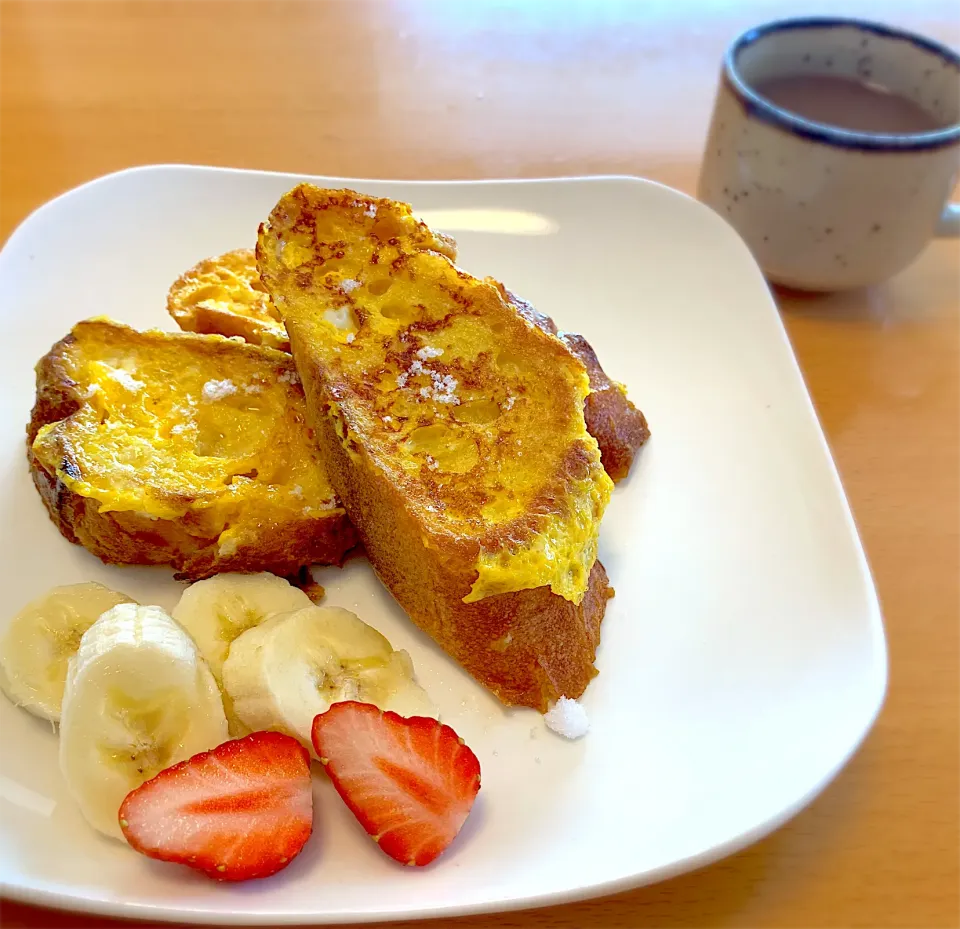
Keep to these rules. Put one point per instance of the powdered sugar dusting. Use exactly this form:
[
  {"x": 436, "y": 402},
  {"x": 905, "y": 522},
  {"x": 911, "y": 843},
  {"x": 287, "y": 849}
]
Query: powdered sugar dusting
[
  {"x": 567, "y": 718},
  {"x": 442, "y": 387},
  {"x": 126, "y": 380},
  {"x": 217, "y": 390},
  {"x": 428, "y": 352},
  {"x": 324, "y": 506},
  {"x": 349, "y": 285}
]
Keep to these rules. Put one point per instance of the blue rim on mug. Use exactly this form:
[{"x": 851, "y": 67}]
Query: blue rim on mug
[{"x": 759, "y": 106}]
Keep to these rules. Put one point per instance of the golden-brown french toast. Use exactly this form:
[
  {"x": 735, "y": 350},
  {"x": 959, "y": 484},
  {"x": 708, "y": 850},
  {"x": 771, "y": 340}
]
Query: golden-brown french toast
[
  {"x": 617, "y": 425},
  {"x": 453, "y": 431},
  {"x": 189, "y": 450},
  {"x": 225, "y": 295}
]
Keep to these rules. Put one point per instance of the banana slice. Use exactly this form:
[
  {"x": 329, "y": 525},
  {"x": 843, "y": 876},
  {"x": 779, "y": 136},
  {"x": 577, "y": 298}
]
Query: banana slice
[
  {"x": 217, "y": 610},
  {"x": 282, "y": 673},
  {"x": 139, "y": 698},
  {"x": 43, "y": 637}
]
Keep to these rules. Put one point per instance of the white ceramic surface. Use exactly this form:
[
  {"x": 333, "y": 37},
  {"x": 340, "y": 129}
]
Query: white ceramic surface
[
  {"x": 743, "y": 657},
  {"x": 822, "y": 208}
]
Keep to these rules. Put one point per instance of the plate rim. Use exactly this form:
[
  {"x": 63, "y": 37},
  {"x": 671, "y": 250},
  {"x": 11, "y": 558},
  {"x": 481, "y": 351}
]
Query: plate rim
[{"x": 71, "y": 903}]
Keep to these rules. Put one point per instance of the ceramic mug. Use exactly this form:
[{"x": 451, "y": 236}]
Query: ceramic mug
[{"x": 822, "y": 207}]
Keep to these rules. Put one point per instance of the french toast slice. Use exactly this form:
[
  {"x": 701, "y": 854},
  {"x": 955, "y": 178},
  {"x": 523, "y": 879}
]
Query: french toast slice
[
  {"x": 453, "y": 431},
  {"x": 224, "y": 295},
  {"x": 189, "y": 450}
]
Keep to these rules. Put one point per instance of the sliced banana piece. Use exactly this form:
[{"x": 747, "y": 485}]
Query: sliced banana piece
[
  {"x": 43, "y": 637},
  {"x": 138, "y": 698},
  {"x": 218, "y": 610},
  {"x": 282, "y": 673}
]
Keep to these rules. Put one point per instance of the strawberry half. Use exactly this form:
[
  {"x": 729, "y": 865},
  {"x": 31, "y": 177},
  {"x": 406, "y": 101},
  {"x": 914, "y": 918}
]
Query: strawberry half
[
  {"x": 410, "y": 782},
  {"x": 239, "y": 811}
]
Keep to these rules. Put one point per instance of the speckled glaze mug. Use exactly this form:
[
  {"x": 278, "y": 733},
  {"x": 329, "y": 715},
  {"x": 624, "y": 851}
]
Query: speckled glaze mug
[{"x": 825, "y": 208}]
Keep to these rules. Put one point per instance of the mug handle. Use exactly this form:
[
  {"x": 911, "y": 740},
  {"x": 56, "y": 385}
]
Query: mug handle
[{"x": 949, "y": 224}]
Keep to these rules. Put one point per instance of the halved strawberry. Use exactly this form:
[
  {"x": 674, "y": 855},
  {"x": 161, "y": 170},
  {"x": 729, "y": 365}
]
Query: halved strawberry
[
  {"x": 239, "y": 811},
  {"x": 410, "y": 782}
]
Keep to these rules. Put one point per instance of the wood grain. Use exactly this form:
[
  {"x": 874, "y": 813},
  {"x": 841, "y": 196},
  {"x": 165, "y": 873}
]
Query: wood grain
[{"x": 402, "y": 89}]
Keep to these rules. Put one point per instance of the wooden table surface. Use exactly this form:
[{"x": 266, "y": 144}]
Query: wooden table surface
[{"x": 531, "y": 88}]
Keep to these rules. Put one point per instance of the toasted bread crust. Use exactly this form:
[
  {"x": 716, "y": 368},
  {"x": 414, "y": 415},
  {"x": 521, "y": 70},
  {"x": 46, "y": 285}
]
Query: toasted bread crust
[
  {"x": 123, "y": 538},
  {"x": 618, "y": 426},
  {"x": 186, "y": 543}
]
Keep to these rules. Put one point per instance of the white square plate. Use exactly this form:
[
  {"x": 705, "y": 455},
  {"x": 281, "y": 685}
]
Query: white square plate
[{"x": 743, "y": 656}]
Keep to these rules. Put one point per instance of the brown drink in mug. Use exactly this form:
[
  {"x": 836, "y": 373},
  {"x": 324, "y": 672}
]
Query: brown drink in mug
[{"x": 833, "y": 149}]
